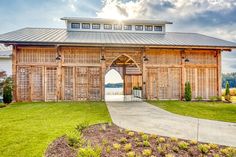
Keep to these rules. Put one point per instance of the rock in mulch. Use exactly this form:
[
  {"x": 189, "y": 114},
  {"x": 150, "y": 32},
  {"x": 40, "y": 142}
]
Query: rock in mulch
[{"x": 60, "y": 148}]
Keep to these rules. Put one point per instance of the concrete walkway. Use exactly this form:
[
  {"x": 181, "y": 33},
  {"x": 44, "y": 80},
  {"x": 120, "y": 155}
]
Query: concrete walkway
[{"x": 143, "y": 117}]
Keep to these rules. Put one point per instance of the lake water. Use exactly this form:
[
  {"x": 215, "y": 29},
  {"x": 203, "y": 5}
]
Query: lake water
[{"x": 114, "y": 91}]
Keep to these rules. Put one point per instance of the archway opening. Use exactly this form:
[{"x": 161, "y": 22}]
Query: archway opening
[
  {"x": 126, "y": 69},
  {"x": 114, "y": 85}
]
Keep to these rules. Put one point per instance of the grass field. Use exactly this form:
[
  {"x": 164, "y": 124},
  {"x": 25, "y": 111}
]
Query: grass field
[
  {"x": 26, "y": 129},
  {"x": 207, "y": 110}
]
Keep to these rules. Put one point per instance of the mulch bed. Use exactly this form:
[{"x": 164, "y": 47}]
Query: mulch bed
[{"x": 104, "y": 136}]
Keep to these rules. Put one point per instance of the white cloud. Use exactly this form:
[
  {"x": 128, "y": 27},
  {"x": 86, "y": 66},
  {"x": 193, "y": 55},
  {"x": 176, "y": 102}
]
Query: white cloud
[{"x": 71, "y": 4}]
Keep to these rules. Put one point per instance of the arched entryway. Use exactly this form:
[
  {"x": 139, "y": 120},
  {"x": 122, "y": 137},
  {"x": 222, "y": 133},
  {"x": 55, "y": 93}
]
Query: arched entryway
[{"x": 131, "y": 75}]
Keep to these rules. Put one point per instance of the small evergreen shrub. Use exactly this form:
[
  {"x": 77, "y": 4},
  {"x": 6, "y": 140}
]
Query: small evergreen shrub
[
  {"x": 82, "y": 126},
  {"x": 187, "y": 93},
  {"x": 145, "y": 137},
  {"x": 130, "y": 154},
  {"x": 74, "y": 139},
  {"x": 123, "y": 140},
  {"x": 227, "y": 92},
  {"x": 131, "y": 133},
  {"x": 204, "y": 148},
  {"x": 161, "y": 150},
  {"x": 174, "y": 139},
  {"x": 7, "y": 91},
  {"x": 193, "y": 142},
  {"x": 108, "y": 149},
  {"x": 229, "y": 151},
  {"x": 128, "y": 147},
  {"x": 116, "y": 146},
  {"x": 183, "y": 145},
  {"x": 161, "y": 140},
  {"x": 146, "y": 144},
  {"x": 147, "y": 152},
  {"x": 198, "y": 98},
  {"x": 153, "y": 136},
  {"x": 89, "y": 152}
]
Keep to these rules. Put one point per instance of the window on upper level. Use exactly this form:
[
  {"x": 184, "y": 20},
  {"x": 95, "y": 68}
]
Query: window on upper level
[
  {"x": 107, "y": 26},
  {"x": 148, "y": 28},
  {"x": 75, "y": 25},
  {"x": 127, "y": 27},
  {"x": 139, "y": 27},
  {"x": 117, "y": 27},
  {"x": 85, "y": 25},
  {"x": 158, "y": 28},
  {"x": 96, "y": 26}
]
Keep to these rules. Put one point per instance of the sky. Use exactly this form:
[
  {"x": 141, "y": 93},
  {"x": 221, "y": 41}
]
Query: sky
[{"x": 215, "y": 18}]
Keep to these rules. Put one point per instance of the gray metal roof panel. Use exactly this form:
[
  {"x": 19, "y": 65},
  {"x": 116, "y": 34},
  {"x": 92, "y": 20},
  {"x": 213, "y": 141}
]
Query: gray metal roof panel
[{"x": 62, "y": 36}]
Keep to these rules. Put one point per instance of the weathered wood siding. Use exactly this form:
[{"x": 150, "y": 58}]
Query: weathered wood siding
[
  {"x": 167, "y": 72},
  {"x": 80, "y": 74}
]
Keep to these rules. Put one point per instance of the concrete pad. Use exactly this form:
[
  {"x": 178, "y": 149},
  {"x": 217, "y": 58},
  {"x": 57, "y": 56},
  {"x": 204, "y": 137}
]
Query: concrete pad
[{"x": 144, "y": 117}]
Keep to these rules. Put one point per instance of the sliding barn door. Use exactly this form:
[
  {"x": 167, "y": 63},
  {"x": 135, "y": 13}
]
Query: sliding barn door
[
  {"x": 23, "y": 84},
  {"x": 37, "y": 84}
]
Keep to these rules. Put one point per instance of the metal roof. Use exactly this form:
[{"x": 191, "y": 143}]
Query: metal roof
[
  {"x": 49, "y": 36},
  {"x": 5, "y": 51},
  {"x": 127, "y": 21}
]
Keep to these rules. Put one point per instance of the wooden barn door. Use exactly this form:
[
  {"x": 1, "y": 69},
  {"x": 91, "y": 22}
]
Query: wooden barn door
[
  {"x": 51, "y": 83},
  {"x": 37, "y": 83},
  {"x": 23, "y": 84},
  {"x": 94, "y": 83}
]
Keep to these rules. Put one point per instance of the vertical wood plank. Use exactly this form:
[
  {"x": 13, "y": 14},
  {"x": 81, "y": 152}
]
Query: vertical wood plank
[
  {"x": 219, "y": 87},
  {"x": 14, "y": 74}
]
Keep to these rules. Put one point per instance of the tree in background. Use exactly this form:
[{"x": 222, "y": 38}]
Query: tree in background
[
  {"x": 7, "y": 91},
  {"x": 187, "y": 92},
  {"x": 227, "y": 92}
]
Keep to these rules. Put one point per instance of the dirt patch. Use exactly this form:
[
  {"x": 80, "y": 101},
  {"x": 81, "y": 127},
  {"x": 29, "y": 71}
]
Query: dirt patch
[
  {"x": 60, "y": 148},
  {"x": 117, "y": 142}
]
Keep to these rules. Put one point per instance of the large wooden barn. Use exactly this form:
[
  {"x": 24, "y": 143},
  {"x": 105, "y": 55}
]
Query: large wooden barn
[{"x": 51, "y": 64}]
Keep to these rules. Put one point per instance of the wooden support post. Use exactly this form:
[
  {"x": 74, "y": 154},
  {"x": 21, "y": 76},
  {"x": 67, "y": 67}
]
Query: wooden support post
[
  {"x": 103, "y": 73},
  {"x": 59, "y": 73},
  {"x": 144, "y": 75},
  {"x": 207, "y": 82},
  {"x": 14, "y": 73},
  {"x": 219, "y": 86},
  {"x": 183, "y": 73}
]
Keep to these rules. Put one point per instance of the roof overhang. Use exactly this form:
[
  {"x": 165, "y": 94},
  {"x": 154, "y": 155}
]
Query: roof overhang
[
  {"x": 106, "y": 20},
  {"x": 222, "y": 48}
]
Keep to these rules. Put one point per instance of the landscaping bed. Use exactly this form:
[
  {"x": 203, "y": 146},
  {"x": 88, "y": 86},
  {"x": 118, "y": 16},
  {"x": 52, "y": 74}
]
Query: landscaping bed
[{"x": 109, "y": 140}]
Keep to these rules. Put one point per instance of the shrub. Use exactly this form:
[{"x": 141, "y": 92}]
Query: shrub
[
  {"x": 145, "y": 137},
  {"x": 161, "y": 150},
  {"x": 116, "y": 146},
  {"x": 130, "y": 154},
  {"x": 188, "y": 93},
  {"x": 183, "y": 145},
  {"x": 161, "y": 140},
  {"x": 175, "y": 149},
  {"x": 147, "y": 152},
  {"x": 128, "y": 147},
  {"x": 108, "y": 149},
  {"x": 153, "y": 136},
  {"x": 174, "y": 139},
  {"x": 213, "y": 146},
  {"x": 103, "y": 127},
  {"x": 136, "y": 139},
  {"x": 89, "y": 152},
  {"x": 146, "y": 144},
  {"x": 227, "y": 92},
  {"x": 123, "y": 140},
  {"x": 82, "y": 126},
  {"x": 104, "y": 142},
  {"x": 213, "y": 98},
  {"x": 229, "y": 151},
  {"x": 169, "y": 155},
  {"x": 74, "y": 139},
  {"x": 198, "y": 98},
  {"x": 141, "y": 133},
  {"x": 7, "y": 91},
  {"x": 204, "y": 148},
  {"x": 193, "y": 142},
  {"x": 131, "y": 133}
]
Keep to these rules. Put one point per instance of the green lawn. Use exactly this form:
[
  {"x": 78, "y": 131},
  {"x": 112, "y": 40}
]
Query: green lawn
[
  {"x": 26, "y": 129},
  {"x": 207, "y": 110}
]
